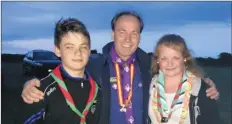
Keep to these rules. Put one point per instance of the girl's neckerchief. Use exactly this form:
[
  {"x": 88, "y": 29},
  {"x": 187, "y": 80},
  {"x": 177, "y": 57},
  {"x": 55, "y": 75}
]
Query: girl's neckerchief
[
  {"x": 56, "y": 74},
  {"x": 181, "y": 97}
]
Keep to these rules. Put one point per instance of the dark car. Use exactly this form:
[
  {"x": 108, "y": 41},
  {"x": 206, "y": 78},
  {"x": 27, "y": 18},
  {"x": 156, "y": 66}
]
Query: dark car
[{"x": 39, "y": 62}]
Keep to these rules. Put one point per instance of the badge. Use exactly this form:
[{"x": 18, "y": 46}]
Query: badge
[
  {"x": 93, "y": 108},
  {"x": 118, "y": 60},
  {"x": 127, "y": 88},
  {"x": 123, "y": 109},
  {"x": 114, "y": 86},
  {"x": 126, "y": 69},
  {"x": 113, "y": 79},
  {"x": 131, "y": 119},
  {"x": 164, "y": 120}
]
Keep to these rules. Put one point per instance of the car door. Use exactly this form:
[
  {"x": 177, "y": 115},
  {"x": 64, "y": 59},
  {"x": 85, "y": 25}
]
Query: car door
[
  {"x": 25, "y": 61},
  {"x": 30, "y": 61}
]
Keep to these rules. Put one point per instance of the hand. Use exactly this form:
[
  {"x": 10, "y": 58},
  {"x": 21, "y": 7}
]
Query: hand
[
  {"x": 30, "y": 93},
  {"x": 211, "y": 92}
]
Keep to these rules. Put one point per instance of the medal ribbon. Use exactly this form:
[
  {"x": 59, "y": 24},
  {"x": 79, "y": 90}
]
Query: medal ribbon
[
  {"x": 69, "y": 100},
  {"x": 123, "y": 103}
]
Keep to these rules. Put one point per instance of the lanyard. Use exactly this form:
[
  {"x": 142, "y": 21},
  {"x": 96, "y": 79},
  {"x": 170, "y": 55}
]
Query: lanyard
[
  {"x": 123, "y": 103},
  {"x": 69, "y": 100}
]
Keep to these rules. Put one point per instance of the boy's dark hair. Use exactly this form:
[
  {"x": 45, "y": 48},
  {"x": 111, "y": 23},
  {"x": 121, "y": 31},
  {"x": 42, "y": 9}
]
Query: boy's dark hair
[
  {"x": 127, "y": 13},
  {"x": 63, "y": 26}
]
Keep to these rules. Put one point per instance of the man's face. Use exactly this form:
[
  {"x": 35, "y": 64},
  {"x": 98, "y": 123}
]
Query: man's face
[
  {"x": 74, "y": 51},
  {"x": 126, "y": 36}
]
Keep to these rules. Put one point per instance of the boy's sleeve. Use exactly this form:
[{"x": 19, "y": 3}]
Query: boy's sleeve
[{"x": 31, "y": 113}]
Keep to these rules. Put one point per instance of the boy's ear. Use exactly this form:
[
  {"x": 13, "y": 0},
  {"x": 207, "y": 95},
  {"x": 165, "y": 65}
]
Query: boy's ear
[{"x": 57, "y": 51}]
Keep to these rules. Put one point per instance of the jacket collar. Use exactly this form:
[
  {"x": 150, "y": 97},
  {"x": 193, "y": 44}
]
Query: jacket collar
[{"x": 141, "y": 56}]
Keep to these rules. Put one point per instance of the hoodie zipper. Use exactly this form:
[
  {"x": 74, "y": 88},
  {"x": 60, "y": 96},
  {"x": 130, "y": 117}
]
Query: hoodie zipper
[{"x": 193, "y": 110}]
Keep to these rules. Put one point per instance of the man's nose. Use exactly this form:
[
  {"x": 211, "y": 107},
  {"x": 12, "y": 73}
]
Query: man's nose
[{"x": 128, "y": 37}]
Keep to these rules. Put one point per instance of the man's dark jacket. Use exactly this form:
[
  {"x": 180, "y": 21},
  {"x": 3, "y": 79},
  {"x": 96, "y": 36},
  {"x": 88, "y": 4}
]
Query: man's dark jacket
[{"x": 99, "y": 70}]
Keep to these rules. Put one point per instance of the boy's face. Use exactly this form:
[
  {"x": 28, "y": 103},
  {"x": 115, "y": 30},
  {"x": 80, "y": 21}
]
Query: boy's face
[{"x": 74, "y": 51}]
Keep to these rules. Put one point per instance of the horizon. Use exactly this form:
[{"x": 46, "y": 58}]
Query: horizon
[{"x": 207, "y": 31}]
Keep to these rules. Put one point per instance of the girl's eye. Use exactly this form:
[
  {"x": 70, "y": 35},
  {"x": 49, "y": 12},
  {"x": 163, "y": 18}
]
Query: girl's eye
[{"x": 163, "y": 58}]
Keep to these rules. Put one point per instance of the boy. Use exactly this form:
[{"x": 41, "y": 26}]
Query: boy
[{"x": 71, "y": 95}]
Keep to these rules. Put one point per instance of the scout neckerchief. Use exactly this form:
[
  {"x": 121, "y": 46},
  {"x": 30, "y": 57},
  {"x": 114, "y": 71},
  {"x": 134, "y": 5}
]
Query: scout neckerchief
[
  {"x": 69, "y": 100},
  {"x": 181, "y": 97},
  {"x": 123, "y": 103}
]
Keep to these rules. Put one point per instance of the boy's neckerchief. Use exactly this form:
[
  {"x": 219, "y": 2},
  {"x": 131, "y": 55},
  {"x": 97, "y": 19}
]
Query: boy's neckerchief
[
  {"x": 69, "y": 100},
  {"x": 182, "y": 96}
]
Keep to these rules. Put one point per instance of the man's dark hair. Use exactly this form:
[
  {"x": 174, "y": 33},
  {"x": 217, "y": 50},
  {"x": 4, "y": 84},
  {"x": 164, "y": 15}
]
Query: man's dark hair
[
  {"x": 64, "y": 26},
  {"x": 127, "y": 13}
]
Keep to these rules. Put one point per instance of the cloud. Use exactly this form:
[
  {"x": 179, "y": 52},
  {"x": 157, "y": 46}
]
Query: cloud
[
  {"x": 205, "y": 39},
  {"x": 45, "y": 6},
  {"x": 36, "y": 19},
  {"x": 22, "y": 46}
]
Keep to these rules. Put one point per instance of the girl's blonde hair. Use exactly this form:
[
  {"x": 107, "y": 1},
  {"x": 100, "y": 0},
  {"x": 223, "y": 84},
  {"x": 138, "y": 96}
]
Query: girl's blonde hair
[{"x": 177, "y": 43}]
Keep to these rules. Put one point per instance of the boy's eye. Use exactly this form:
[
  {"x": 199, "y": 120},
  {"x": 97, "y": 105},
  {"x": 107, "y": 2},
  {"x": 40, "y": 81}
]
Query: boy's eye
[
  {"x": 69, "y": 47},
  {"x": 83, "y": 48}
]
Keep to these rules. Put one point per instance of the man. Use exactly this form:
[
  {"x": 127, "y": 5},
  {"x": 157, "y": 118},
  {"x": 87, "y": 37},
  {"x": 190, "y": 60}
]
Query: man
[{"x": 123, "y": 72}]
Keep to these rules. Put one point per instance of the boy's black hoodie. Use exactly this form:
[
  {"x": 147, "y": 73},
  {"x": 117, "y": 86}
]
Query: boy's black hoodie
[{"x": 53, "y": 109}]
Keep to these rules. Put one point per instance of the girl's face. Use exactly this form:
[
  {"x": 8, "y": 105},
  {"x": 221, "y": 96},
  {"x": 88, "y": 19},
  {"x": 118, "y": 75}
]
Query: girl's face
[{"x": 171, "y": 61}]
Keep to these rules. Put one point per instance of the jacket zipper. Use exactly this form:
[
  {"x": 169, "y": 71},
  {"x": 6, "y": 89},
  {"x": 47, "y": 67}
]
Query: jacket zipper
[{"x": 193, "y": 111}]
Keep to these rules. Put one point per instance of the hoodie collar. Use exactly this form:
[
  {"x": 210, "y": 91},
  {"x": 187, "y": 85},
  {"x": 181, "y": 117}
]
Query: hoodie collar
[{"x": 140, "y": 55}]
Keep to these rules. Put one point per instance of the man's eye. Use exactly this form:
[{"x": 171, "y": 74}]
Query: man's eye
[
  {"x": 176, "y": 58},
  {"x": 135, "y": 34}
]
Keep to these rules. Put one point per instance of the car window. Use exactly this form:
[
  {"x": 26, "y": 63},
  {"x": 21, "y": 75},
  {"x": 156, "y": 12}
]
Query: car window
[
  {"x": 26, "y": 55},
  {"x": 45, "y": 56},
  {"x": 30, "y": 55}
]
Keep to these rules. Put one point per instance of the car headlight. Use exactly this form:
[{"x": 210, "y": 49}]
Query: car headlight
[{"x": 39, "y": 64}]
